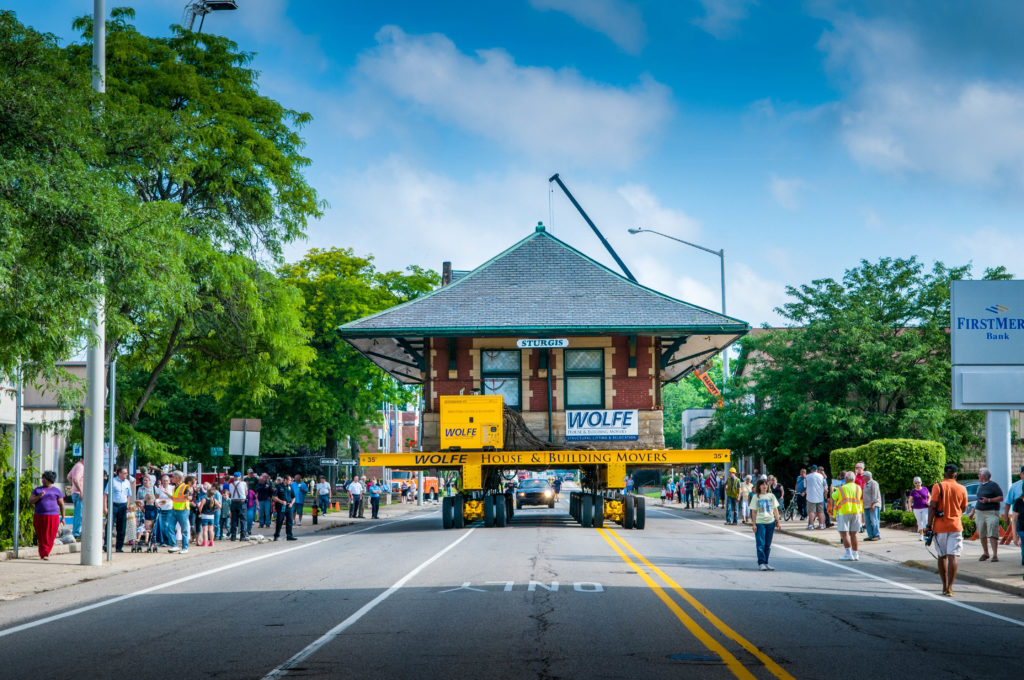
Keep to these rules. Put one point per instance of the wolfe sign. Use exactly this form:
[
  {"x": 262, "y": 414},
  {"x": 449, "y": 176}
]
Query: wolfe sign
[{"x": 602, "y": 425}]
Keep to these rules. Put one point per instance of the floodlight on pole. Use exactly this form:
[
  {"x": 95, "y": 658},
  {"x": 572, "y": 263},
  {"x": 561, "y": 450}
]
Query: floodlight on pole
[
  {"x": 721, "y": 255},
  {"x": 200, "y": 8}
]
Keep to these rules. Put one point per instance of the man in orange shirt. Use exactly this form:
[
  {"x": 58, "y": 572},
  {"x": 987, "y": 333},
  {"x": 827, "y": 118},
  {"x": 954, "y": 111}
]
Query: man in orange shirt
[{"x": 948, "y": 502}]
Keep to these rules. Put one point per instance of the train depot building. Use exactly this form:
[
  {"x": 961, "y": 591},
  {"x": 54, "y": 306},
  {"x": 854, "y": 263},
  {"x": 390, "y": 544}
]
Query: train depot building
[{"x": 579, "y": 351}]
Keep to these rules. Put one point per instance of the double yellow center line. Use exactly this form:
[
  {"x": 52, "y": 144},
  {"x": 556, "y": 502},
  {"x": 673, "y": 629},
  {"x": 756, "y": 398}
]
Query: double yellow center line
[{"x": 730, "y": 660}]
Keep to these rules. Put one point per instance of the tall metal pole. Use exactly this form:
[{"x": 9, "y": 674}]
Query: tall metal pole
[
  {"x": 110, "y": 463},
  {"x": 18, "y": 427},
  {"x": 92, "y": 502},
  {"x": 725, "y": 352},
  {"x": 245, "y": 424}
]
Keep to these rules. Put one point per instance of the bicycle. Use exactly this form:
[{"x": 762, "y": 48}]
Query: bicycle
[{"x": 791, "y": 509}]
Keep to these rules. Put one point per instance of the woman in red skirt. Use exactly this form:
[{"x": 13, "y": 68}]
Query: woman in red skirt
[{"x": 49, "y": 515}]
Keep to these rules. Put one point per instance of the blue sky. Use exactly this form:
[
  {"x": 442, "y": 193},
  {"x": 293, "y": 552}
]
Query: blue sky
[{"x": 800, "y": 137}]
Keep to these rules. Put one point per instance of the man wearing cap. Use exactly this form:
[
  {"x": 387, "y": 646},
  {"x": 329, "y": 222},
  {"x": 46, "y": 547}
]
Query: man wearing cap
[
  {"x": 238, "y": 494},
  {"x": 948, "y": 503},
  {"x": 1016, "y": 491},
  {"x": 732, "y": 496},
  {"x": 814, "y": 486}
]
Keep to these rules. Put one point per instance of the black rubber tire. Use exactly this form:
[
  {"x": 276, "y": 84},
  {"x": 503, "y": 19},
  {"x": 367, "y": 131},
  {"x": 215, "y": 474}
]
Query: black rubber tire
[
  {"x": 458, "y": 519},
  {"x": 787, "y": 514},
  {"x": 489, "y": 513},
  {"x": 551, "y": 504},
  {"x": 446, "y": 512},
  {"x": 641, "y": 513},
  {"x": 587, "y": 510},
  {"x": 510, "y": 505},
  {"x": 628, "y": 512},
  {"x": 500, "y": 518},
  {"x": 598, "y": 512}
]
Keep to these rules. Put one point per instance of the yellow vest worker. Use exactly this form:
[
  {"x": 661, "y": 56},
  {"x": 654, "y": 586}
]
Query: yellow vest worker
[
  {"x": 849, "y": 499},
  {"x": 180, "y": 497}
]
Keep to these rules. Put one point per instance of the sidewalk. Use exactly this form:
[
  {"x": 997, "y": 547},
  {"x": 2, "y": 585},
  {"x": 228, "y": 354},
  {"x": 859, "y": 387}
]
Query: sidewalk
[
  {"x": 901, "y": 546},
  {"x": 29, "y": 574}
]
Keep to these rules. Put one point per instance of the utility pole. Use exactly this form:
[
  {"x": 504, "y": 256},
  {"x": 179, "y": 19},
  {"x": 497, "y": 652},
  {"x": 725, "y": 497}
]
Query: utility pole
[{"x": 92, "y": 510}]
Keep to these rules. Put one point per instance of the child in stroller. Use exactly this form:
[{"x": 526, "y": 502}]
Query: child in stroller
[{"x": 147, "y": 510}]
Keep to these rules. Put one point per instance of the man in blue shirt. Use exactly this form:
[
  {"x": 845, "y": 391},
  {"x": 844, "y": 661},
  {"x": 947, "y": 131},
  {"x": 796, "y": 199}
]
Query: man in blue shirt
[
  {"x": 375, "y": 491},
  {"x": 1015, "y": 492},
  {"x": 122, "y": 490},
  {"x": 300, "y": 489}
]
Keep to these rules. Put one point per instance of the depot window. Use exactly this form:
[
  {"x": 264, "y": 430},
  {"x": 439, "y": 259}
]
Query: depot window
[
  {"x": 584, "y": 378},
  {"x": 501, "y": 371}
]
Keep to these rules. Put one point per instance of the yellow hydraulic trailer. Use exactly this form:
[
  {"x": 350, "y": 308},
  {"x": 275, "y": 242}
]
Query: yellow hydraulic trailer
[{"x": 483, "y": 496}]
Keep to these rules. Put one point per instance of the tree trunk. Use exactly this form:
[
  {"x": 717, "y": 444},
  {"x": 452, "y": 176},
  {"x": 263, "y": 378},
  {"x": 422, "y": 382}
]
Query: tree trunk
[{"x": 154, "y": 375}]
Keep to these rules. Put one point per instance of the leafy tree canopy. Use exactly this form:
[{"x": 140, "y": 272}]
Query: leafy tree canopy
[
  {"x": 866, "y": 358},
  {"x": 340, "y": 391},
  {"x": 686, "y": 394}
]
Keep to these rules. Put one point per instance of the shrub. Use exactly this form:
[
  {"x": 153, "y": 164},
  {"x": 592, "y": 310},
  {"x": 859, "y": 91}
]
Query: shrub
[
  {"x": 843, "y": 459},
  {"x": 969, "y": 527},
  {"x": 895, "y": 462},
  {"x": 27, "y": 533},
  {"x": 891, "y": 516},
  {"x": 908, "y": 518}
]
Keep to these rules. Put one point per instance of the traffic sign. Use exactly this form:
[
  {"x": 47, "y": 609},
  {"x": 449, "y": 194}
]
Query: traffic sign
[
  {"x": 216, "y": 451},
  {"x": 328, "y": 461},
  {"x": 348, "y": 462}
]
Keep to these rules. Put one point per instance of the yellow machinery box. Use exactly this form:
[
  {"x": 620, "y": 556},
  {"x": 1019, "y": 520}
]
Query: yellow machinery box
[{"x": 472, "y": 422}]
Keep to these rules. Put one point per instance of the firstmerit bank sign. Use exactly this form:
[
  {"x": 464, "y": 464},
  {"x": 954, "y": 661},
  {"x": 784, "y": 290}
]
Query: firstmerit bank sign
[
  {"x": 987, "y": 343},
  {"x": 987, "y": 324}
]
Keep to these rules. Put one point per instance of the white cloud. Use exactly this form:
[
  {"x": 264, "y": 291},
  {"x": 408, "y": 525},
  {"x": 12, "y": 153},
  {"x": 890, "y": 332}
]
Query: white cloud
[
  {"x": 722, "y": 16},
  {"x": 553, "y": 114},
  {"x": 622, "y": 23},
  {"x": 786, "y": 191},
  {"x": 906, "y": 114},
  {"x": 406, "y": 214},
  {"x": 992, "y": 247}
]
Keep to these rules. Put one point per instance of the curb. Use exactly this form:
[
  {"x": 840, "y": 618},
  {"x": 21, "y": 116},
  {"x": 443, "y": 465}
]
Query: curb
[{"x": 969, "y": 578}]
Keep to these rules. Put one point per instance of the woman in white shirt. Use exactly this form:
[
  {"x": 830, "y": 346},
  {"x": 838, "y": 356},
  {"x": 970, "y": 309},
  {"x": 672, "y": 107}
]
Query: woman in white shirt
[{"x": 766, "y": 520}]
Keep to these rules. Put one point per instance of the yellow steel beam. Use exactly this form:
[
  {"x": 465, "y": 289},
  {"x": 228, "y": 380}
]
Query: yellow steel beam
[{"x": 617, "y": 460}]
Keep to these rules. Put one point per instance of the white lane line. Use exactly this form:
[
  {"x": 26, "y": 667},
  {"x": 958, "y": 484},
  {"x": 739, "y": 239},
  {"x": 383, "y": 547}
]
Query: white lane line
[
  {"x": 209, "y": 572},
  {"x": 938, "y": 598},
  {"x": 282, "y": 670}
]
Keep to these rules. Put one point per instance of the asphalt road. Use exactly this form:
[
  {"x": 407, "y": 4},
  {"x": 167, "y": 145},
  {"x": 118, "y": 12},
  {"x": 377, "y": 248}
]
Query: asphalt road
[{"x": 542, "y": 598}]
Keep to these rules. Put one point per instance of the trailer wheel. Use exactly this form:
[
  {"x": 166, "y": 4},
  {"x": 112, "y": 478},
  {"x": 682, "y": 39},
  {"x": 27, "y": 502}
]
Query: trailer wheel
[
  {"x": 489, "y": 510},
  {"x": 458, "y": 506},
  {"x": 641, "y": 513},
  {"x": 598, "y": 511},
  {"x": 509, "y": 507},
  {"x": 628, "y": 512},
  {"x": 587, "y": 510},
  {"x": 446, "y": 512},
  {"x": 500, "y": 516}
]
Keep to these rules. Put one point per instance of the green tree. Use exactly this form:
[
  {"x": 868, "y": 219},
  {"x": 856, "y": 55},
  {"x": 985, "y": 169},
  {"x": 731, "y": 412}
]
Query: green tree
[
  {"x": 186, "y": 130},
  {"x": 867, "y": 358},
  {"x": 340, "y": 392},
  {"x": 56, "y": 210},
  {"x": 686, "y": 394}
]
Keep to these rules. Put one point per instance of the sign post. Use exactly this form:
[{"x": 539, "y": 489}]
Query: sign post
[
  {"x": 987, "y": 347},
  {"x": 245, "y": 438}
]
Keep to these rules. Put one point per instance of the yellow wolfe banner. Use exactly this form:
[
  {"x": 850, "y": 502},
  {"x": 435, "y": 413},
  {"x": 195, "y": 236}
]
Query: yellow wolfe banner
[
  {"x": 552, "y": 459},
  {"x": 472, "y": 422}
]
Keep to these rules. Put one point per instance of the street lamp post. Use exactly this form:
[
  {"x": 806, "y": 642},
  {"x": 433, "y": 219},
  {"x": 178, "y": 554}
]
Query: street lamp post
[{"x": 721, "y": 257}]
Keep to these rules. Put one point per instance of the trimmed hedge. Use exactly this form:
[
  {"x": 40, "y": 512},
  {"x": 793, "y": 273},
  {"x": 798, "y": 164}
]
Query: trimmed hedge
[
  {"x": 909, "y": 519},
  {"x": 969, "y": 526},
  {"x": 891, "y": 516},
  {"x": 895, "y": 462},
  {"x": 843, "y": 459}
]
